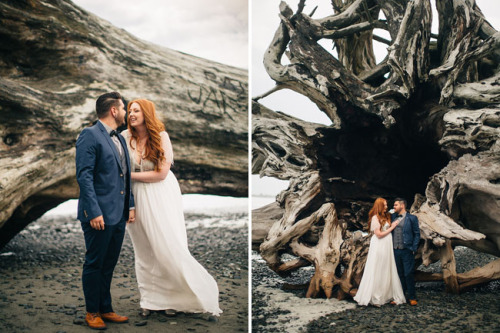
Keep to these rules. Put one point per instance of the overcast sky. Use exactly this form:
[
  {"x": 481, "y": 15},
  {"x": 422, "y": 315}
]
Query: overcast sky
[
  {"x": 265, "y": 22},
  {"x": 215, "y": 30},
  {"x": 218, "y": 30}
]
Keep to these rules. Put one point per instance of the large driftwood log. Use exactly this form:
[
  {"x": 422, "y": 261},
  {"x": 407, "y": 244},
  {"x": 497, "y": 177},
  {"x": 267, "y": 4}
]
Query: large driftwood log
[
  {"x": 57, "y": 59},
  {"x": 424, "y": 120}
]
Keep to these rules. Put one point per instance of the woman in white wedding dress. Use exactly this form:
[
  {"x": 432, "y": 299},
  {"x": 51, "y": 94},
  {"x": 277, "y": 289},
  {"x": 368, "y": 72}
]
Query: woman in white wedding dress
[
  {"x": 169, "y": 278},
  {"x": 380, "y": 283}
]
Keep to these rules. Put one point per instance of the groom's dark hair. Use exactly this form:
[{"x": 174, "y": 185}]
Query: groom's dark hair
[
  {"x": 402, "y": 201},
  {"x": 106, "y": 102}
]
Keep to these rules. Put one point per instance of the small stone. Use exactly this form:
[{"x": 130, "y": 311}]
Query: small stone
[
  {"x": 173, "y": 323},
  {"x": 213, "y": 319},
  {"x": 80, "y": 314},
  {"x": 196, "y": 315},
  {"x": 78, "y": 321},
  {"x": 141, "y": 323}
]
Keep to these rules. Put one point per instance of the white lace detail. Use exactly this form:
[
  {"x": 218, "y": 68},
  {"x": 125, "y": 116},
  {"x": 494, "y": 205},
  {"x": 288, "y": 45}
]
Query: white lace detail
[
  {"x": 167, "y": 147},
  {"x": 147, "y": 165},
  {"x": 376, "y": 224}
]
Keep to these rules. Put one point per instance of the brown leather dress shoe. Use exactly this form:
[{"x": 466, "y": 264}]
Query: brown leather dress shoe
[
  {"x": 413, "y": 302},
  {"x": 94, "y": 321},
  {"x": 113, "y": 317}
]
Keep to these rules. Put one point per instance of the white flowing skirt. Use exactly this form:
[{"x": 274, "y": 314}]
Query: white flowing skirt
[
  {"x": 167, "y": 274},
  {"x": 380, "y": 283}
]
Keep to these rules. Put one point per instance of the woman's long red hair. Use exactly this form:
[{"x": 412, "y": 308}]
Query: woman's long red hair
[
  {"x": 153, "y": 149},
  {"x": 378, "y": 210}
]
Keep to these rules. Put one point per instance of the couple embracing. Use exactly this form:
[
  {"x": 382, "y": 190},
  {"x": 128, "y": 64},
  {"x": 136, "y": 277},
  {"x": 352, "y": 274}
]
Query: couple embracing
[
  {"x": 390, "y": 264},
  {"x": 125, "y": 179}
]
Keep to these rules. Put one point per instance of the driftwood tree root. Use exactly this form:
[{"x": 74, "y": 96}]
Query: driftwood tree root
[{"x": 425, "y": 119}]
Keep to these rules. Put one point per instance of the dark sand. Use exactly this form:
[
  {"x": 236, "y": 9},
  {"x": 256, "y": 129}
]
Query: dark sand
[
  {"x": 276, "y": 310},
  {"x": 40, "y": 278}
]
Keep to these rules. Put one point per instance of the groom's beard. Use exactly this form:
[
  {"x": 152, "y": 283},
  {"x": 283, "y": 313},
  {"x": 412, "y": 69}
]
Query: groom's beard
[{"x": 120, "y": 121}]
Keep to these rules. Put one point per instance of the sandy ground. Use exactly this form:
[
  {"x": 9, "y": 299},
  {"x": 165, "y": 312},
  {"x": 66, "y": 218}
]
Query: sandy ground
[{"x": 40, "y": 279}]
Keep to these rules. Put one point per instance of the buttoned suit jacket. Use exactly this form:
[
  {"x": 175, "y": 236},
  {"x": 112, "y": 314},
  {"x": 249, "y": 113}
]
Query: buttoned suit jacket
[
  {"x": 104, "y": 187},
  {"x": 411, "y": 231}
]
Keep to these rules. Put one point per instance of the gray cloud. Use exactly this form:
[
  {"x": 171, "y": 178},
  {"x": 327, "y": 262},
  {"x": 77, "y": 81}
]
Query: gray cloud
[
  {"x": 215, "y": 30},
  {"x": 265, "y": 21}
]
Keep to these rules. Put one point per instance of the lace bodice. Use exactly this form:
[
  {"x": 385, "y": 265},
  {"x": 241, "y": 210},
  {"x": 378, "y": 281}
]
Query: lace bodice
[
  {"x": 137, "y": 163},
  {"x": 376, "y": 224}
]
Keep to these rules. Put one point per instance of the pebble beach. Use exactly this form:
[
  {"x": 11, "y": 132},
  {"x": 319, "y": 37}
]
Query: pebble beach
[
  {"x": 277, "y": 310},
  {"x": 40, "y": 278}
]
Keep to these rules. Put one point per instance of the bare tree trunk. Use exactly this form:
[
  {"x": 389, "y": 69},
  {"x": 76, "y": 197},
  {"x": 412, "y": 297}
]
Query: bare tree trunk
[
  {"x": 59, "y": 59},
  {"x": 449, "y": 268},
  {"x": 424, "y": 120}
]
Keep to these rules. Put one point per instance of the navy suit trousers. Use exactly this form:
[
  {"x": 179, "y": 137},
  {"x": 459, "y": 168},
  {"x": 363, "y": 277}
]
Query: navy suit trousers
[
  {"x": 405, "y": 263},
  {"x": 103, "y": 249}
]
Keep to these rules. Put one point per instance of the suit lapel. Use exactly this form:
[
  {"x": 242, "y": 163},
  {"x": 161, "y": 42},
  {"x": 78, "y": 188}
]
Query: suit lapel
[
  {"x": 125, "y": 150},
  {"x": 111, "y": 144},
  {"x": 406, "y": 222}
]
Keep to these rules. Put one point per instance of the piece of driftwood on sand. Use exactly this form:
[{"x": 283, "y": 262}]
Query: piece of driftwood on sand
[{"x": 57, "y": 59}]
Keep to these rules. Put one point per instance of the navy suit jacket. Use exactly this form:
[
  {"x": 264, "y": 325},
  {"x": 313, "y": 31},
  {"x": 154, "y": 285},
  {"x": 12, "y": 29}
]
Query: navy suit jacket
[
  {"x": 104, "y": 187},
  {"x": 411, "y": 231}
]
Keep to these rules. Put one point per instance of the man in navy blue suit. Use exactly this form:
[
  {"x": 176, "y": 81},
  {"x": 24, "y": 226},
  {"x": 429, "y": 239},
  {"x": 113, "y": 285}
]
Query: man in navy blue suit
[
  {"x": 405, "y": 240},
  {"x": 105, "y": 205}
]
